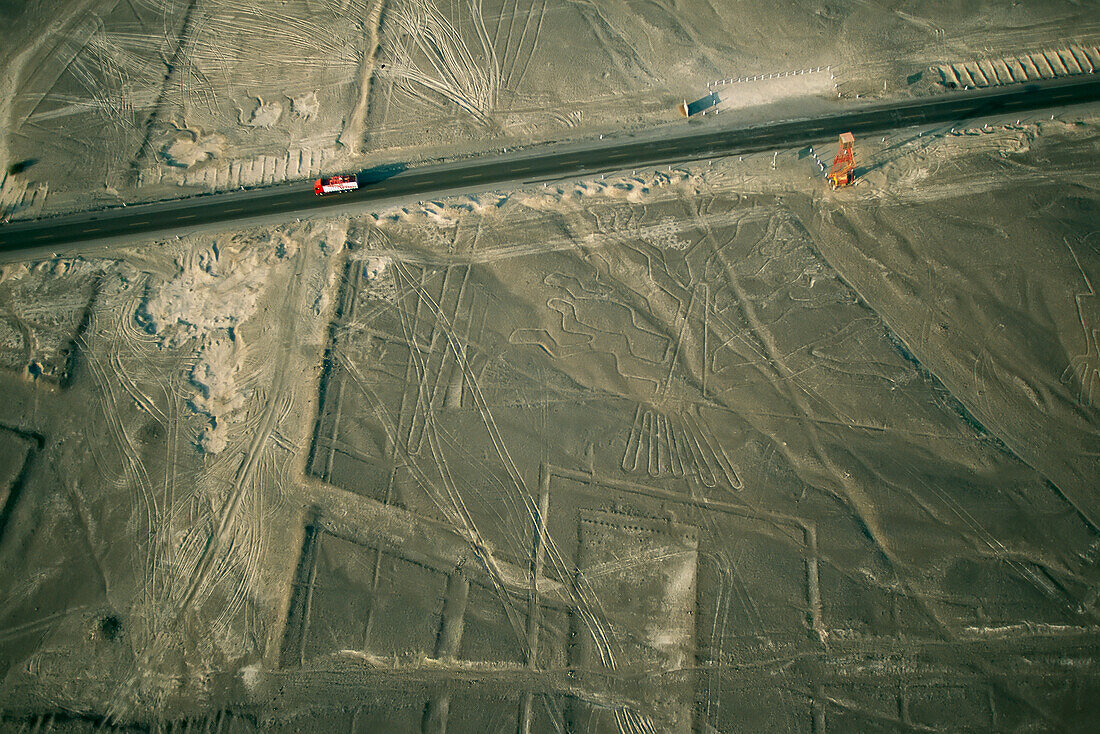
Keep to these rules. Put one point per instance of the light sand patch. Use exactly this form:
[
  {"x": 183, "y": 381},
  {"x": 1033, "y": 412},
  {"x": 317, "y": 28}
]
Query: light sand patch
[
  {"x": 266, "y": 114},
  {"x": 219, "y": 397},
  {"x": 206, "y": 300},
  {"x": 305, "y": 106},
  {"x": 772, "y": 87},
  {"x": 191, "y": 148}
]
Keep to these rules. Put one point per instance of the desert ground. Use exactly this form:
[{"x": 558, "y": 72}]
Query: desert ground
[
  {"x": 118, "y": 101},
  {"x": 699, "y": 448}
]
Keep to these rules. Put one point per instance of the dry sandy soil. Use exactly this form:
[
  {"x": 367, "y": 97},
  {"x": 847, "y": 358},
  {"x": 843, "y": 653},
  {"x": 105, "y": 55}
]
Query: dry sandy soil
[
  {"x": 778, "y": 458},
  {"x": 698, "y": 449},
  {"x": 123, "y": 100}
]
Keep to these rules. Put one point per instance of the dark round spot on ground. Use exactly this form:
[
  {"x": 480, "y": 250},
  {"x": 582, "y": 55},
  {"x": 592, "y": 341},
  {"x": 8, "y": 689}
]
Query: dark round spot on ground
[
  {"x": 35, "y": 369},
  {"x": 964, "y": 574},
  {"x": 151, "y": 432},
  {"x": 110, "y": 627}
]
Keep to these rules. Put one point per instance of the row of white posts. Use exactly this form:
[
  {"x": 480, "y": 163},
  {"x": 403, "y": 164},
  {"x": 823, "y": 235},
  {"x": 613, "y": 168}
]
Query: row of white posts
[{"x": 759, "y": 77}]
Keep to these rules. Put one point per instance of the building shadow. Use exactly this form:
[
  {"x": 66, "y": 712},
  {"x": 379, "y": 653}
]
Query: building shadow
[{"x": 900, "y": 149}]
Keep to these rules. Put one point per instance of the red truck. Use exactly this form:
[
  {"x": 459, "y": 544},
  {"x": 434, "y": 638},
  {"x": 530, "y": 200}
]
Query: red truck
[{"x": 336, "y": 184}]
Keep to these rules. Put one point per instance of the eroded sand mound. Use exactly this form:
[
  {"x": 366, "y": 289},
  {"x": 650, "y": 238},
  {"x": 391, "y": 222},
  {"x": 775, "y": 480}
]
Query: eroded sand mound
[
  {"x": 189, "y": 149},
  {"x": 211, "y": 294},
  {"x": 208, "y": 294}
]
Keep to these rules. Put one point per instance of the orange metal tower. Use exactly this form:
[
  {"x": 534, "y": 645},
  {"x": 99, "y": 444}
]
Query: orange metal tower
[{"x": 844, "y": 164}]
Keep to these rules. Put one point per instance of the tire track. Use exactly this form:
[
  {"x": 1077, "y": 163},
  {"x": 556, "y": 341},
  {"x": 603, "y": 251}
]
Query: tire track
[
  {"x": 351, "y": 137},
  {"x": 243, "y": 479},
  {"x": 179, "y": 53}
]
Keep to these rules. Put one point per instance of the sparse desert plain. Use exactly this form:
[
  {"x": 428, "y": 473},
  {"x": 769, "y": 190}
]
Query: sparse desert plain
[{"x": 704, "y": 447}]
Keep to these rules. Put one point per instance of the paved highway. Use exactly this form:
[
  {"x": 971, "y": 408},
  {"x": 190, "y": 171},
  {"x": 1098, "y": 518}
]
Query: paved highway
[{"x": 683, "y": 143}]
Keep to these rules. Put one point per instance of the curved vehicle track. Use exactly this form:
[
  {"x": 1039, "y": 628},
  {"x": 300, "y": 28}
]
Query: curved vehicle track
[{"x": 55, "y": 235}]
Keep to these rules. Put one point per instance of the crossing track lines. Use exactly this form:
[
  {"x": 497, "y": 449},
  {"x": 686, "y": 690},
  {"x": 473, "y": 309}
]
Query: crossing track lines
[{"x": 681, "y": 145}]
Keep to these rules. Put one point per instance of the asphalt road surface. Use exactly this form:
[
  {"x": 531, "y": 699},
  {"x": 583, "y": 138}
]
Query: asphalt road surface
[{"x": 57, "y": 234}]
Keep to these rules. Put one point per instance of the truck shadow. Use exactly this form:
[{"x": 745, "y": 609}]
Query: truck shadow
[{"x": 380, "y": 173}]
